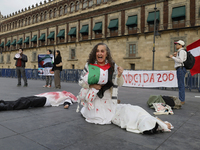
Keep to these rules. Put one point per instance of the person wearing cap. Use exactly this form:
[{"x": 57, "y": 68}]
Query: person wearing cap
[
  {"x": 179, "y": 57},
  {"x": 21, "y": 60}
]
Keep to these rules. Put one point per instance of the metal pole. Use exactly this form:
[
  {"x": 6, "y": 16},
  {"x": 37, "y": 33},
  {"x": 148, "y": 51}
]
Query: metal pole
[{"x": 154, "y": 35}]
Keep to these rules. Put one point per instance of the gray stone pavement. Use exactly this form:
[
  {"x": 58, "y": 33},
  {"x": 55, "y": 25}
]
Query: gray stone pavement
[{"x": 56, "y": 128}]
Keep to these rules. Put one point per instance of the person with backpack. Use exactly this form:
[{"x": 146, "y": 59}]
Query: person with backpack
[{"x": 180, "y": 57}]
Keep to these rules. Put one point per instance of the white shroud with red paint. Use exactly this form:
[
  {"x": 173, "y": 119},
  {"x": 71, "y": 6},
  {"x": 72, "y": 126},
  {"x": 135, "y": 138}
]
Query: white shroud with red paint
[
  {"x": 58, "y": 98},
  {"x": 194, "y": 49}
]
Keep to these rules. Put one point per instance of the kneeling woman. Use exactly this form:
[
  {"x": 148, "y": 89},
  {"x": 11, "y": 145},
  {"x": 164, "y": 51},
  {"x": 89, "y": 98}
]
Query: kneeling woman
[{"x": 104, "y": 108}]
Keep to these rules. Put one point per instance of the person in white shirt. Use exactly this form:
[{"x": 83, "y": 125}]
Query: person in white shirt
[{"x": 179, "y": 57}]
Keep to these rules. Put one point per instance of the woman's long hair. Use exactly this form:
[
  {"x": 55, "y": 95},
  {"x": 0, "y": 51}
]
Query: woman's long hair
[
  {"x": 58, "y": 53},
  {"x": 92, "y": 56}
]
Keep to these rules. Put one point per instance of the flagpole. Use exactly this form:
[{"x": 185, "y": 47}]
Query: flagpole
[{"x": 154, "y": 35}]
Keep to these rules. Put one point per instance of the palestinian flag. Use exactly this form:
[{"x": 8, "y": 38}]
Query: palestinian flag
[
  {"x": 46, "y": 60},
  {"x": 98, "y": 74}
]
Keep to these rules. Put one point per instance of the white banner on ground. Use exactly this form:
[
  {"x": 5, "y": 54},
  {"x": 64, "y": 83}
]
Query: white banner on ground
[{"x": 150, "y": 78}]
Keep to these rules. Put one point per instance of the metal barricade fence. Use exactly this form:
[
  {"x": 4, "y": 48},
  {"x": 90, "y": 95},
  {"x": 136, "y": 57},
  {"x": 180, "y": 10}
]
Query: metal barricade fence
[
  {"x": 192, "y": 82},
  {"x": 72, "y": 75},
  {"x": 3, "y": 72},
  {"x": 67, "y": 75}
]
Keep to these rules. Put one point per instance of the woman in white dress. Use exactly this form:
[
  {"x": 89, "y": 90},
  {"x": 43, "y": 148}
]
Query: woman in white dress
[{"x": 105, "y": 108}]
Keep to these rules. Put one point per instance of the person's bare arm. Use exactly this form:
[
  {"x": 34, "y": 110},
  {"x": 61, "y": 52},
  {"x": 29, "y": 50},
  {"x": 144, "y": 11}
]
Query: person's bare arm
[{"x": 95, "y": 86}]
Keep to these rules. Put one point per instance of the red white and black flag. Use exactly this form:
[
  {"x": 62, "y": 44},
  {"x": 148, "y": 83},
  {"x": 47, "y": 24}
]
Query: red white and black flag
[{"x": 194, "y": 49}]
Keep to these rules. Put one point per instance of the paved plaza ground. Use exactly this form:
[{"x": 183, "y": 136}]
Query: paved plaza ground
[{"x": 55, "y": 128}]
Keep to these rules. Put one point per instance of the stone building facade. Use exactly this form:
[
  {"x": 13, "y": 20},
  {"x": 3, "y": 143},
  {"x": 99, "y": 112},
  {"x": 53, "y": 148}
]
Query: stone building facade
[{"x": 75, "y": 26}]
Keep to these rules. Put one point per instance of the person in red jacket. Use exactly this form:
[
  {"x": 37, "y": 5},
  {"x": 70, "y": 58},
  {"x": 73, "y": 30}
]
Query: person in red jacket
[{"x": 20, "y": 64}]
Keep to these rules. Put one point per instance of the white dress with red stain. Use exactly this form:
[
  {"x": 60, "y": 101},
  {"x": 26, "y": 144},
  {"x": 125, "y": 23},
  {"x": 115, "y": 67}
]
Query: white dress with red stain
[
  {"x": 103, "y": 112},
  {"x": 58, "y": 98}
]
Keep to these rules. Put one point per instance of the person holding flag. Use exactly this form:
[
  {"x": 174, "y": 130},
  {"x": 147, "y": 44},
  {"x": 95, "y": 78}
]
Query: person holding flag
[
  {"x": 179, "y": 57},
  {"x": 105, "y": 88},
  {"x": 96, "y": 75}
]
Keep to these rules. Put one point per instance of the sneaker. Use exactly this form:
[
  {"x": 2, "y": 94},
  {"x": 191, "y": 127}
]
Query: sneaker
[
  {"x": 25, "y": 85},
  {"x": 49, "y": 86},
  {"x": 44, "y": 86},
  {"x": 18, "y": 84}
]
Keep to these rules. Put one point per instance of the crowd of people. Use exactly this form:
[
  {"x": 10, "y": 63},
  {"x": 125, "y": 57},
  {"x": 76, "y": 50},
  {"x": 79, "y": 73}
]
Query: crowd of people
[
  {"x": 20, "y": 64},
  {"x": 98, "y": 96}
]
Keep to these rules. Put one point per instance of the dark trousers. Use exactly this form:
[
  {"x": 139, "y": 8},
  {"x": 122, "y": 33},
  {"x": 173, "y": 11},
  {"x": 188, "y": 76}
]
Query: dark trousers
[
  {"x": 21, "y": 71},
  {"x": 23, "y": 103}
]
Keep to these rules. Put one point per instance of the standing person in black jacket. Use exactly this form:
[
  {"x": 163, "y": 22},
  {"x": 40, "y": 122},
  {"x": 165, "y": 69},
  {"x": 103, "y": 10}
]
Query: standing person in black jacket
[
  {"x": 21, "y": 59},
  {"x": 57, "y": 68}
]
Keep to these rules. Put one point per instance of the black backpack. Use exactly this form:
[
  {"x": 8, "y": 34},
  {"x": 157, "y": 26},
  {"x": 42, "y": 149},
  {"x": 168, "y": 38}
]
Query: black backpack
[{"x": 190, "y": 60}]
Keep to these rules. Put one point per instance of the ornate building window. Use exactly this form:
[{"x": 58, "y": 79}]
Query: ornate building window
[
  {"x": 105, "y": 1},
  {"x": 72, "y": 7},
  {"x": 19, "y": 23},
  {"x": 54, "y": 13},
  {"x": 132, "y": 66},
  {"x": 85, "y": 4},
  {"x": 45, "y": 15},
  {"x": 13, "y": 25},
  {"x": 29, "y": 20},
  {"x": 178, "y": 17},
  {"x": 150, "y": 20},
  {"x": 50, "y": 14},
  {"x": 132, "y": 50},
  {"x": 61, "y": 11},
  {"x": 2, "y": 59},
  {"x": 98, "y": 2},
  {"x": 34, "y": 56},
  {"x": 65, "y": 7},
  {"x": 73, "y": 54},
  {"x": 132, "y": 24},
  {"x": 22, "y": 24},
  {"x": 41, "y": 17},
  {"x": 36, "y": 18},
  {"x": 90, "y": 3},
  {"x": 8, "y": 58},
  {"x": 113, "y": 26},
  {"x": 77, "y": 6},
  {"x": 98, "y": 30},
  {"x": 26, "y": 22},
  {"x": 33, "y": 19}
]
